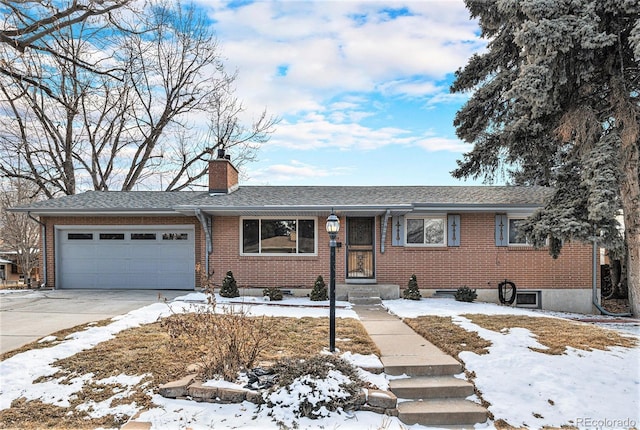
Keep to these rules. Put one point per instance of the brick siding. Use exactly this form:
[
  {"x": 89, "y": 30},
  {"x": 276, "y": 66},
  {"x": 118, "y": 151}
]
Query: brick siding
[{"x": 477, "y": 262}]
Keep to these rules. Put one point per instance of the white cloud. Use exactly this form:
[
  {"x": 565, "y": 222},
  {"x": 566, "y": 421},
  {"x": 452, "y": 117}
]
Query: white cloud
[
  {"x": 347, "y": 76},
  {"x": 293, "y": 173},
  {"x": 326, "y": 50},
  {"x": 435, "y": 143}
]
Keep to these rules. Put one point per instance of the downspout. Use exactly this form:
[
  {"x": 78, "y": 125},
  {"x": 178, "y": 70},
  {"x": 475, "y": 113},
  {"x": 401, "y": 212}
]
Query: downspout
[
  {"x": 383, "y": 234},
  {"x": 594, "y": 285},
  {"x": 44, "y": 248},
  {"x": 207, "y": 234}
]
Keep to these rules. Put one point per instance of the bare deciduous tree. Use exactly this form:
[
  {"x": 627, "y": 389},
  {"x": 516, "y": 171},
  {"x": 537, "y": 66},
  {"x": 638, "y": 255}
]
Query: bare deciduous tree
[
  {"x": 19, "y": 233},
  {"x": 30, "y": 26},
  {"x": 101, "y": 133}
]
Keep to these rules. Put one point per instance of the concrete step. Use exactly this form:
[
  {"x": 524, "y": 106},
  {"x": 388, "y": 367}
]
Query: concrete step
[
  {"x": 421, "y": 366},
  {"x": 365, "y": 300},
  {"x": 431, "y": 387},
  {"x": 441, "y": 412},
  {"x": 364, "y": 291}
]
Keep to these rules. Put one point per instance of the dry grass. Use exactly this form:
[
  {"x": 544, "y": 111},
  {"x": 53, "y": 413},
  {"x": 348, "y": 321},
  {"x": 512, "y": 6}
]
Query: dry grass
[
  {"x": 144, "y": 351},
  {"x": 556, "y": 334},
  {"x": 448, "y": 336}
]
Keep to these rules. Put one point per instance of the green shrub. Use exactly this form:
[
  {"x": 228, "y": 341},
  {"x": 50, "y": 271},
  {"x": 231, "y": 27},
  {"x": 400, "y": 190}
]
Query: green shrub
[
  {"x": 319, "y": 292},
  {"x": 465, "y": 294},
  {"x": 229, "y": 287},
  {"x": 412, "y": 292},
  {"x": 274, "y": 293}
]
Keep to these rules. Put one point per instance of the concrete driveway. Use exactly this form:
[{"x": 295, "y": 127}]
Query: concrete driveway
[{"x": 27, "y": 316}]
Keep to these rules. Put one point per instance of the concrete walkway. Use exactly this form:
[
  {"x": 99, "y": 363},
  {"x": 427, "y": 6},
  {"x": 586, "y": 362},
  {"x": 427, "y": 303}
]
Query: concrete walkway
[{"x": 430, "y": 395}]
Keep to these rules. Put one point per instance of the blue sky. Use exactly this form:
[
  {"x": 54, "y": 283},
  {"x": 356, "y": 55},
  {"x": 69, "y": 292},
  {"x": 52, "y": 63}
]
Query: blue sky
[{"x": 362, "y": 88}]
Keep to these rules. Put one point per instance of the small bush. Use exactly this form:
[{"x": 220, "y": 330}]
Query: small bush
[
  {"x": 229, "y": 286},
  {"x": 465, "y": 294},
  {"x": 228, "y": 342},
  {"x": 325, "y": 384},
  {"x": 319, "y": 292},
  {"x": 412, "y": 292},
  {"x": 274, "y": 293}
]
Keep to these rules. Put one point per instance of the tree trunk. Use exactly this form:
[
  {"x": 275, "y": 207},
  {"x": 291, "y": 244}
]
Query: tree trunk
[{"x": 630, "y": 194}]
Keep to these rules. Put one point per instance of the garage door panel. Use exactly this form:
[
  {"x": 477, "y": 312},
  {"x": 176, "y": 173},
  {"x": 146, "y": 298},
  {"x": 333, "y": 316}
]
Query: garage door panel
[
  {"x": 127, "y": 262},
  {"x": 81, "y": 252}
]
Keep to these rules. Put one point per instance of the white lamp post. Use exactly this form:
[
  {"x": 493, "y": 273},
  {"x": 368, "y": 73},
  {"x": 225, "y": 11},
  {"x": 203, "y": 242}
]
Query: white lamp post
[{"x": 333, "y": 227}]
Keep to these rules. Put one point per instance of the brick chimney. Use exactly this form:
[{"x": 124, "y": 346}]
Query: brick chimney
[{"x": 223, "y": 176}]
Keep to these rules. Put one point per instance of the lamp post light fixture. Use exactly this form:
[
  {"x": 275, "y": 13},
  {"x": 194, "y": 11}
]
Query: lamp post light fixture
[{"x": 333, "y": 227}]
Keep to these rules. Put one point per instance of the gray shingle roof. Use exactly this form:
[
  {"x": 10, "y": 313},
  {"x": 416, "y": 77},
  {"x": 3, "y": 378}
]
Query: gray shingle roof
[
  {"x": 374, "y": 196},
  {"x": 255, "y": 198},
  {"x": 116, "y": 200}
]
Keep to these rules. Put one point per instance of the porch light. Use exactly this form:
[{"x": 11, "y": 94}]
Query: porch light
[{"x": 333, "y": 227}]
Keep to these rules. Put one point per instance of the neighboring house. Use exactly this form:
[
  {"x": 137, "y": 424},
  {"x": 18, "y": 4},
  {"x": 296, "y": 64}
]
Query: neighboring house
[
  {"x": 447, "y": 236},
  {"x": 11, "y": 274}
]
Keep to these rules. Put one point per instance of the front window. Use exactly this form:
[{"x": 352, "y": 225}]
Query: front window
[
  {"x": 278, "y": 236},
  {"x": 514, "y": 237},
  {"x": 426, "y": 231}
]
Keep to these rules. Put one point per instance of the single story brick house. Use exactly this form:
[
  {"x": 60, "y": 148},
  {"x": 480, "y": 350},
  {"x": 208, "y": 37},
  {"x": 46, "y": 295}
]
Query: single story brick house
[{"x": 274, "y": 236}]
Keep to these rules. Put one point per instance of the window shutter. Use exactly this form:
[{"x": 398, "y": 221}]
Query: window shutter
[
  {"x": 453, "y": 230},
  {"x": 397, "y": 231},
  {"x": 502, "y": 230}
]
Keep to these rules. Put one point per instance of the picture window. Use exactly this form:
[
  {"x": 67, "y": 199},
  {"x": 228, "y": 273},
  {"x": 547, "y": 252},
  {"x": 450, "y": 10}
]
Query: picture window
[{"x": 278, "y": 236}]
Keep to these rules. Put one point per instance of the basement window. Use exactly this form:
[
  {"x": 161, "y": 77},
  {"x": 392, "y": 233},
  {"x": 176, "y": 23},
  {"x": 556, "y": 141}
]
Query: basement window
[{"x": 529, "y": 299}]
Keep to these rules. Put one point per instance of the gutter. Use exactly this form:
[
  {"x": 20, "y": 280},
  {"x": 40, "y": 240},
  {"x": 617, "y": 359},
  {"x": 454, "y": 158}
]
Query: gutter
[
  {"x": 44, "y": 248},
  {"x": 594, "y": 285}
]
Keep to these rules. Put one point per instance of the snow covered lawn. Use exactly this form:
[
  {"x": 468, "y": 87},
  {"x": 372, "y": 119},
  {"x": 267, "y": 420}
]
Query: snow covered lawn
[{"x": 587, "y": 389}]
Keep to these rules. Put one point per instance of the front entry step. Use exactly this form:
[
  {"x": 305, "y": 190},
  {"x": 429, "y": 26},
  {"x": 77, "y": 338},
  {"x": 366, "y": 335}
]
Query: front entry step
[
  {"x": 365, "y": 300},
  {"x": 431, "y": 387},
  {"x": 365, "y": 295},
  {"x": 441, "y": 412}
]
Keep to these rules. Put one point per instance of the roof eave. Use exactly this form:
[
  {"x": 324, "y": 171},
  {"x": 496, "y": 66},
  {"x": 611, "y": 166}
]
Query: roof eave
[
  {"x": 299, "y": 210},
  {"x": 95, "y": 211},
  {"x": 476, "y": 207}
]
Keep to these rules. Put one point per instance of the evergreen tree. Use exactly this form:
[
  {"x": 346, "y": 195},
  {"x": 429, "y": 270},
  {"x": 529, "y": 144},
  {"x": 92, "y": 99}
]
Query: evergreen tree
[
  {"x": 412, "y": 292},
  {"x": 319, "y": 291},
  {"x": 556, "y": 103},
  {"x": 229, "y": 287}
]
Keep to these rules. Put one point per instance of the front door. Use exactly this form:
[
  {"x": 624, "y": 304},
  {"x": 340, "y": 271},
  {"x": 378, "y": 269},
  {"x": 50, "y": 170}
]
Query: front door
[{"x": 360, "y": 243}]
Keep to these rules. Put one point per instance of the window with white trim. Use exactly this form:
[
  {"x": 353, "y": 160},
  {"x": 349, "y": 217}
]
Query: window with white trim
[
  {"x": 261, "y": 236},
  {"x": 514, "y": 239},
  {"x": 426, "y": 231}
]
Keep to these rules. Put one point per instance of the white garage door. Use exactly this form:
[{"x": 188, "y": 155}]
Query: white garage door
[{"x": 136, "y": 257}]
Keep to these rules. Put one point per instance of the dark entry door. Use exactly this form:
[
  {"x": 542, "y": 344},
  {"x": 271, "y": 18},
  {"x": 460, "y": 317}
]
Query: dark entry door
[{"x": 360, "y": 256}]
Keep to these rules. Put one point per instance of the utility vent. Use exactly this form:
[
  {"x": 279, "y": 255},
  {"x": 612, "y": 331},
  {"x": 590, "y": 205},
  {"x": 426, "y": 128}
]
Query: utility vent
[
  {"x": 529, "y": 299},
  {"x": 445, "y": 293}
]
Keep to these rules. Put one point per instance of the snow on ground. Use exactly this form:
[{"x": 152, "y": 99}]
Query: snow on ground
[
  {"x": 532, "y": 389},
  {"x": 525, "y": 388}
]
